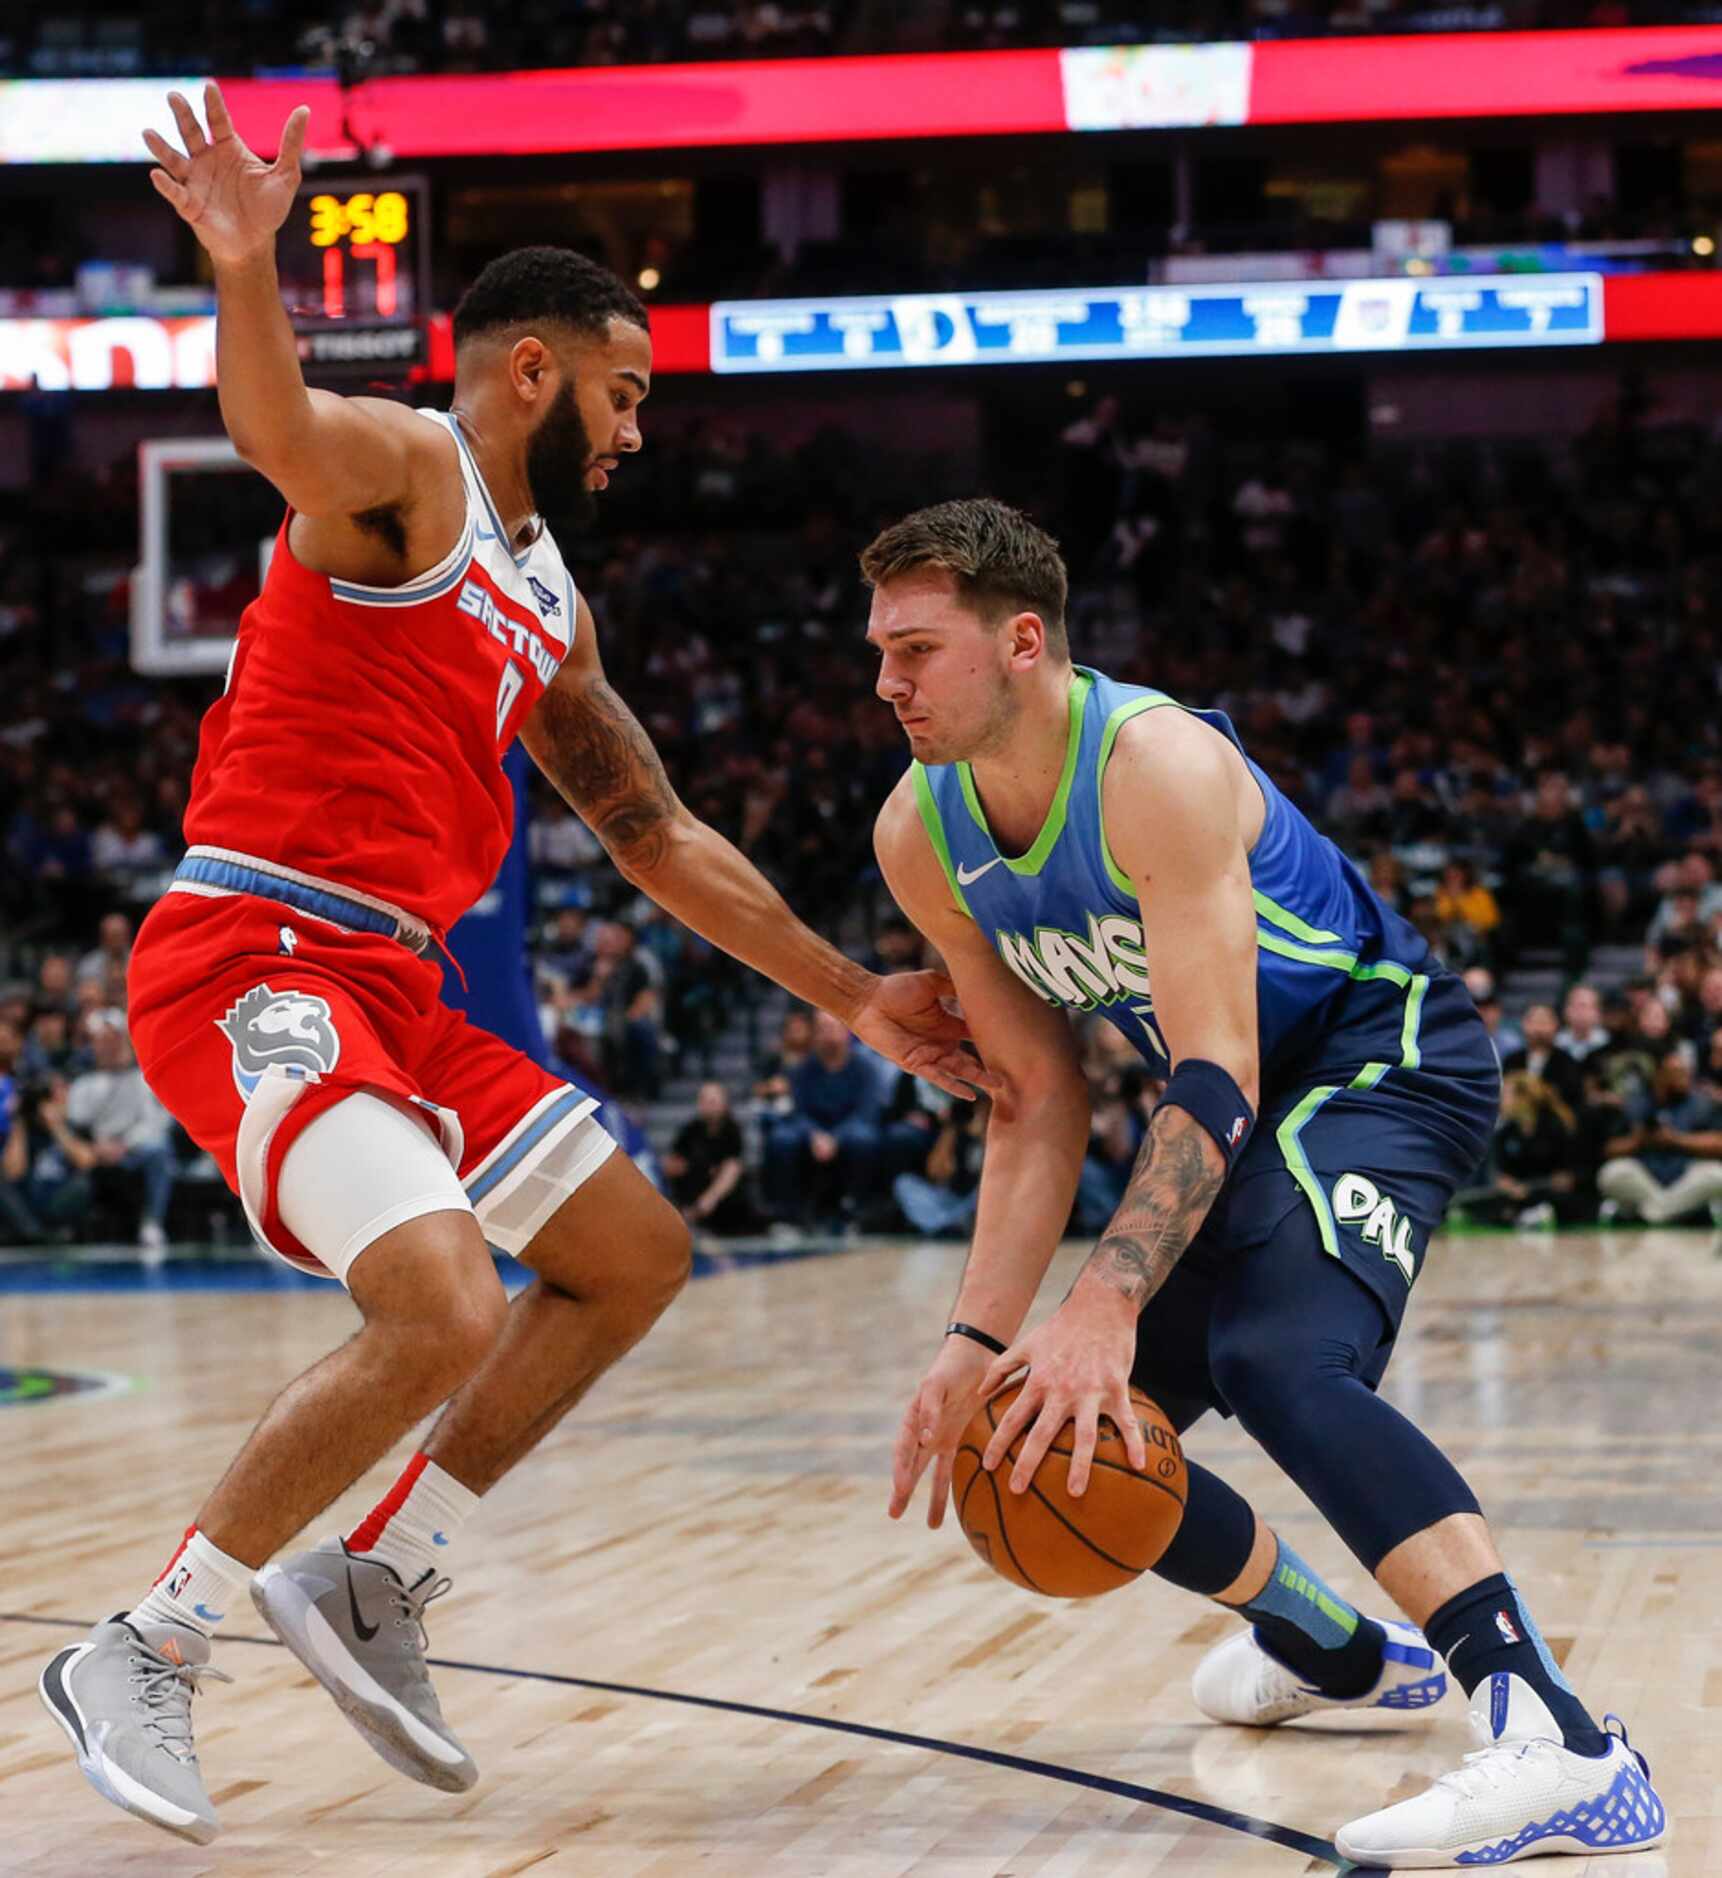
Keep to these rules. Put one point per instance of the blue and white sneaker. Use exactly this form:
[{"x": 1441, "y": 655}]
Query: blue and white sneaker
[
  {"x": 1522, "y": 1794},
  {"x": 1240, "y": 1681}
]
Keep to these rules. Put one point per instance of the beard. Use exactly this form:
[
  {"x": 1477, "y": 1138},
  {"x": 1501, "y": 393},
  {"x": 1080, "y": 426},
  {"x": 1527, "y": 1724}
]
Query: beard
[{"x": 557, "y": 459}]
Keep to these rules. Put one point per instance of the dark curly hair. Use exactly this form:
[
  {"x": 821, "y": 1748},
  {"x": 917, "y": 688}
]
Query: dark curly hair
[{"x": 549, "y": 285}]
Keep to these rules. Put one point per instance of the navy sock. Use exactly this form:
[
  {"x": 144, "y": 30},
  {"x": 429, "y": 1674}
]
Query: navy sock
[
  {"x": 1488, "y": 1629},
  {"x": 1313, "y": 1630}
]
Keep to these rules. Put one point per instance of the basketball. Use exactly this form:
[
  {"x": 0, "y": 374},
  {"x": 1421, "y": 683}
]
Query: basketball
[{"x": 1046, "y": 1541}]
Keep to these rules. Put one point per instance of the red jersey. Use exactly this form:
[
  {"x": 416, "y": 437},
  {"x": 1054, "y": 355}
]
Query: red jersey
[{"x": 360, "y": 735}]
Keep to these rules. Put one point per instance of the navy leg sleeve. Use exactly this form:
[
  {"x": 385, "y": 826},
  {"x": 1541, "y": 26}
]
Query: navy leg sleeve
[{"x": 1296, "y": 1346}]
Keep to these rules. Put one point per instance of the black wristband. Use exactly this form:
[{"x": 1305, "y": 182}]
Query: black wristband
[{"x": 976, "y": 1336}]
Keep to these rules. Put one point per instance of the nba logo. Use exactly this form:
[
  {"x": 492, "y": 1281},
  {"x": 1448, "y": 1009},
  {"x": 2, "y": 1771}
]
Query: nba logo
[
  {"x": 1237, "y": 1133},
  {"x": 1504, "y": 1624},
  {"x": 178, "y": 1582}
]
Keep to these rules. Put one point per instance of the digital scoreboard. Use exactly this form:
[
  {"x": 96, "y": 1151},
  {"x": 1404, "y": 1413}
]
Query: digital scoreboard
[{"x": 354, "y": 262}]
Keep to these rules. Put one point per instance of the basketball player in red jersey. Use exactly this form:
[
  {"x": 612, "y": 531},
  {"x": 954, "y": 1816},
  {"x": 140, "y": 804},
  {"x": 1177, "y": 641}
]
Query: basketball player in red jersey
[{"x": 348, "y": 806}]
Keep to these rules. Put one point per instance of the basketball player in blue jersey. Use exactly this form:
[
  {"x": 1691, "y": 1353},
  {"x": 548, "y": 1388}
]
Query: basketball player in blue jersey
[{"x": 1069, "y": 843}]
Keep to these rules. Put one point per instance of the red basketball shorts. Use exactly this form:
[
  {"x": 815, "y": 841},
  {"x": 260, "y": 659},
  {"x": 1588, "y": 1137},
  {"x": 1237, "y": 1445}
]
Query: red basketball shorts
[{"x": 252, "y": 1018}]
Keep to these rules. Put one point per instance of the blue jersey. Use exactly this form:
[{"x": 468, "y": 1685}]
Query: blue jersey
[{"x": 1065, "y": 917}]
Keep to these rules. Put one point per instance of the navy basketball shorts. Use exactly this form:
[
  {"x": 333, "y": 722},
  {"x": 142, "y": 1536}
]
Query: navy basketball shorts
[{"x": 1355, "y": 1157}]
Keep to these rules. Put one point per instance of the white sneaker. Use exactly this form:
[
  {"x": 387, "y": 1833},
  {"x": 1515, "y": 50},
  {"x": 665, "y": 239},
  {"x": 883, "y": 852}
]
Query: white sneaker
[
  {"x": 153, "y": 1240},
  {"x": 1240, "y": 1681},
  {"x": 1521, "y": 1795}
]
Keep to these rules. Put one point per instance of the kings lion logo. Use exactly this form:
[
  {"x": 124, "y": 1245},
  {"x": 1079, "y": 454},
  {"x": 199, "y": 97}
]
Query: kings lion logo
[{"x": 290, "y": 1028}]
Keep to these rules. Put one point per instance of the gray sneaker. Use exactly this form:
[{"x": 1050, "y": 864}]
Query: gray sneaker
[
  {"x": 360, "y": 1632},
  {"x": 123, "y": 1697}
]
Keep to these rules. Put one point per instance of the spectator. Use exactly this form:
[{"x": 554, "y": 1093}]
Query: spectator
[
  {"x": 565, "y": 948},
  {"x": 941, "y": 1199},
  {"x": 44, "y": 1187},
  {"x": 1671, "y": 1165},
  {"x": 49, "y": 1050},
  {"x": 897, "y": 947},
  {"x": 1544, "y": 1058},
  {"x": 1503, "y": 1034},
  {"x": 1541, "y": 1170},
  {"x": 1358, "y": 809},
  {"x": 1467, "y": 914},
  {"x": 54, "y": 981},
  {"x": 633, "y": 1011},
  {"x": 1691, "y": 897},
  {"x": 1549, "y": 859},
  {"x": 820, "y": 1158},
  {"x": 1676, "y": 929},
  {"x": 123, "y": 849},
  {"x": 1582, "y": 1035},
  {"x": 707, "y": 1169},
  {"x": 112, "y": 1121},
  {"x": 772, "y": 1085},
  {"x": 107, "y": 961}
]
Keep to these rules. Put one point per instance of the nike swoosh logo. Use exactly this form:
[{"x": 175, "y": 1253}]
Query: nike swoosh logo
[
  {"x": 439, "y": 1538},
  {"x": 208, "y": 1616},
  {"x": 967, "y": 878},
  {"x": 365, "y": 1632}
]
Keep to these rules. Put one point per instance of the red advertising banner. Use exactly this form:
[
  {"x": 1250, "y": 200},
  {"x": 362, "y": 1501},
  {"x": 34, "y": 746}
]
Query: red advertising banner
[
  {"x": 667, "y": 107},
  {"x": 957, "y": 94},
  {"x": 1666, "y": 68}
]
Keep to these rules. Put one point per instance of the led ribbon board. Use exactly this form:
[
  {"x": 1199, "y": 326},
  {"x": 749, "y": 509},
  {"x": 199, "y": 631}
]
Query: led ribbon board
[{"x": 1052, "y": 326}]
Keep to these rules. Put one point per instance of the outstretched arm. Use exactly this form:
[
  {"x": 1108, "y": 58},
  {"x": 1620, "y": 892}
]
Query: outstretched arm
[
  {"x": 326, "y": 454},
  {"x": 591, "y": 747},
  {"x": 1192, "y": 875}
]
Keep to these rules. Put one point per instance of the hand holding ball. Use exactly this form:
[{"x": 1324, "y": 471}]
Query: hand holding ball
[{"x": 1046, "y": 1541}]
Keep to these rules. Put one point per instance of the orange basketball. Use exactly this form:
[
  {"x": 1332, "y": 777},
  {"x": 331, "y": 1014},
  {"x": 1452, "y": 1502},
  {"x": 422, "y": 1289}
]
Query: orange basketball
[{"x": 1044, "y": 1540}]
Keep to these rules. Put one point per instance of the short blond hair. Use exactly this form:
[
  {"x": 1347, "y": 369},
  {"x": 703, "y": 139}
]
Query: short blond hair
[{"x": 1002, "y": 562}]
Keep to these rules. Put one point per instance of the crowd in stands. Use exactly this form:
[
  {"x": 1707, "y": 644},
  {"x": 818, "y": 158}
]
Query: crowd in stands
[
  {"x": 1492, "y": 672},
  {"x": 393, "y": 36}
]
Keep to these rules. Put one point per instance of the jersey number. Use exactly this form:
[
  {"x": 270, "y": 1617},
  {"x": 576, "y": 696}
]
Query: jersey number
[{"x": 513, "y": 682}]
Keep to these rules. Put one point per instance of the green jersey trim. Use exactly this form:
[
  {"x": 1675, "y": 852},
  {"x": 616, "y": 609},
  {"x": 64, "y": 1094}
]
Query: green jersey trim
[
  {"x": 1288, "y": 921},
  {"x": 1134, "y": 707},
  {"x": 1050, "y": 830},
  {"x": 1309, "y": 955},
  {"x": 935, "y": 827},
  {"x": 1297, "y": 1162}
]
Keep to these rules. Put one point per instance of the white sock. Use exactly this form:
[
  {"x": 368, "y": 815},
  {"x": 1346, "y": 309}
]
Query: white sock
[
  {"x": 198, "y": 1588},
  {"x": 411, "y": 1528}
]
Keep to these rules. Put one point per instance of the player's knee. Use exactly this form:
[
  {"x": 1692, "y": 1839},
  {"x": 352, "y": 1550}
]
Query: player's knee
[
  {"x": 442, "y": 1312},
  {"x": 666, "y": 1259}
]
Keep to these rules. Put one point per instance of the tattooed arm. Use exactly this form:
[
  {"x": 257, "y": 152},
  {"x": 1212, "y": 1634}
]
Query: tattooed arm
[
  {"x": 1181, "y": 810},
  {"x": 592, "y": 748}
]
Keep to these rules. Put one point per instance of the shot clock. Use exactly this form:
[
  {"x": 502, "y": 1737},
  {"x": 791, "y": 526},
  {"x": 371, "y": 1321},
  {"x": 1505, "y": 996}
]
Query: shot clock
[{"x": 353, "y": 259}]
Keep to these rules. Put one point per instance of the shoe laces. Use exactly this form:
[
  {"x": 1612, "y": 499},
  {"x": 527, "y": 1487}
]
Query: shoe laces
[
  {"x": 165, "y": 1689},
  {"x": 410, "y": 1602},
  {"x": 1485, "y": 1768}
]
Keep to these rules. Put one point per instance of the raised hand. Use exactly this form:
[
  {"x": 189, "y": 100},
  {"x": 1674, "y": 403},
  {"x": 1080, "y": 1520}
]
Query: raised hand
[{"x": 233, "y": 200}]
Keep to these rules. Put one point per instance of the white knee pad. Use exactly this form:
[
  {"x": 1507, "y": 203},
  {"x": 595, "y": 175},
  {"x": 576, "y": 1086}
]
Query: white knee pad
[{"x": 359, "y": 1170}]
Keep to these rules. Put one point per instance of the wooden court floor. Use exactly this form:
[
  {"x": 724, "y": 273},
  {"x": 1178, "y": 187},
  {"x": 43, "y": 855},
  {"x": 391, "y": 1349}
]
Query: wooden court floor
[{"x": 685, "y": 1638}]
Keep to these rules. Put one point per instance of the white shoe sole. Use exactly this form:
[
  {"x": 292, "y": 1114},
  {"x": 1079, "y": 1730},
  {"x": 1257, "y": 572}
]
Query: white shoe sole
[
  {"x": 390, "y": 1728},
  {"x": 1420, "y": 1858},
  {"x": 113, "y": 1783}
]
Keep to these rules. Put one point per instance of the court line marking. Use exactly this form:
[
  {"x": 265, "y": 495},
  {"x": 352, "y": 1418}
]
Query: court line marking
[{"x": 1289, "y": 1837}]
